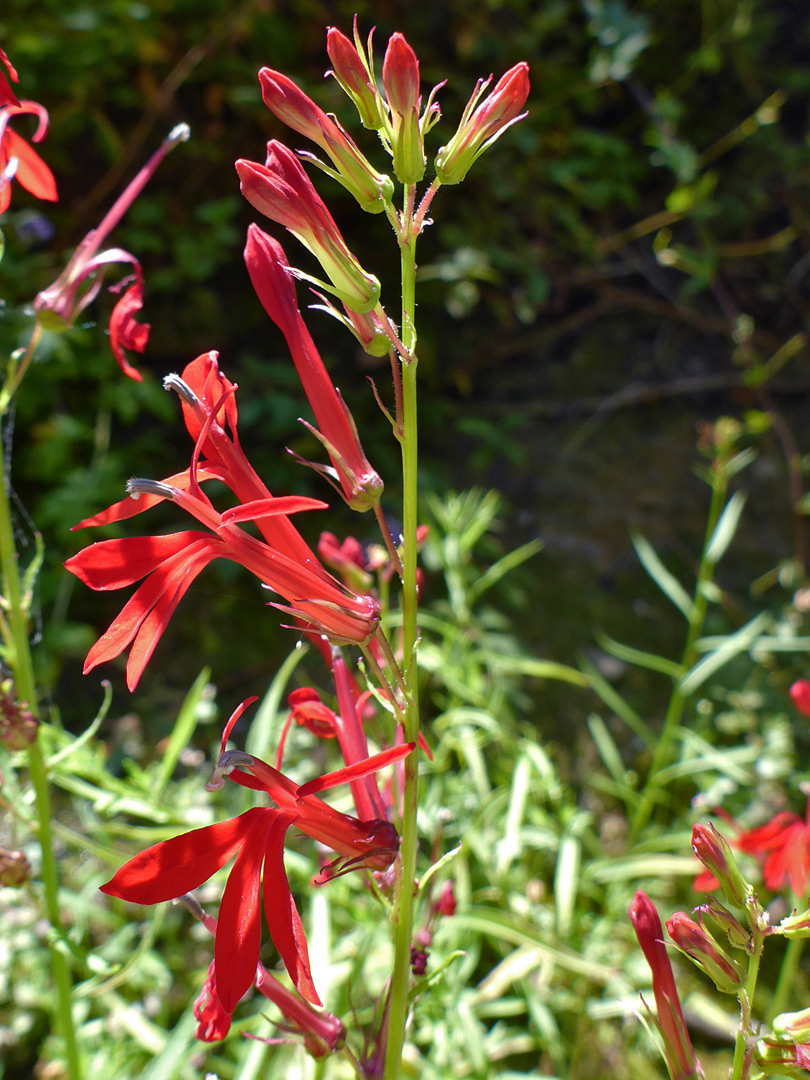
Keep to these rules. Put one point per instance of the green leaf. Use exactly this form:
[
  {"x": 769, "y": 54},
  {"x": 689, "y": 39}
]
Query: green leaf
[
  {"x": 502, "y": 567},
  {"x": 183, "y": 730},
  {"x": 733, "y": 645},
  {"x": 599, "y": 684},
  {"x": 639, "y": 658},
  {"x": 725, "y": 528},
  {"x": 666, "y": 582}
]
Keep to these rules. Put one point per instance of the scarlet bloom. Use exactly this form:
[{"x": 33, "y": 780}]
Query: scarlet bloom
[
  {"x": 170, "y": 563},
  {"x": 269, "y": 271},
  {"x": 174, "y": 867},
  {"x": 282, "y": 191},
  {"x": 80, "y": 281},
  {"x": 7, "y": 95},
  {"x": 481, "y": 124},
  {"x": 677, "y": 1044},
  {"x": 783, "y": 847},
  {"x": 800, "y": 696},
  {"x": 30, "y": 170}
]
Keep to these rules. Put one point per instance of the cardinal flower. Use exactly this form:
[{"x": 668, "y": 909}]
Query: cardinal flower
[
  {"x": 80, "y": 281},
  {"x": 30, "y": 170},
  {"x": 170, "y": 563},
  {"x": 267, "y": 265},
  {"x": 177, "y": 866}
]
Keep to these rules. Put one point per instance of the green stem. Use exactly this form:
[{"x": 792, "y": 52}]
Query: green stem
[
  {"x": 739, "y": 1071},
  {"x": 402, "y": 914},
  {"x": 677, "y": 701},
  {"x": 21, "y": 664}
]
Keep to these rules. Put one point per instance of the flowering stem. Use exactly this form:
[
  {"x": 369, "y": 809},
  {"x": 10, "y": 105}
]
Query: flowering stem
[
  {"x": 740, "y": 1067},
  {"x": 21, "y": 664},
  {"x": 677, "y": 701},
  {"x": 403, "y": 898}
]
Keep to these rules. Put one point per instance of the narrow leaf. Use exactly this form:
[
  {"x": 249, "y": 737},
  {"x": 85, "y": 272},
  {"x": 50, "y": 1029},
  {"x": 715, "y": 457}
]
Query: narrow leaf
[
  {"x": 666, "y": 582},
  {"x": 725, "y": 528}
]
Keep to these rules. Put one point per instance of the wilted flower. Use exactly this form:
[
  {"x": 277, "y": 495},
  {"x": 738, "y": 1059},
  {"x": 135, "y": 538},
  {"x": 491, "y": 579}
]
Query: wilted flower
[{"x": 80, "y": 281}]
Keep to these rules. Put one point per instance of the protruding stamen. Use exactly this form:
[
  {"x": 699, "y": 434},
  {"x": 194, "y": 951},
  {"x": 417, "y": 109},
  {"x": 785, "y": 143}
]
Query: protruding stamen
[
  {"x": 179, "y": 133},
  {"x": 228, "y": 761},
  {"x": 183, "y": 390},
  {"x": 137, "y": 486}
]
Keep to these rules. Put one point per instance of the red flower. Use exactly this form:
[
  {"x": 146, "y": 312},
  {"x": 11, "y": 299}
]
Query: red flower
[
  {"x": 282, "y": 191},
  {"x": 481, "y": 124},
  {"x": 177, "y": 866},
  {"x": 800, "y": 696},
  {"x": 7, "y": 95},
  {"x": 80, "y": 281},
  {"x": 30, "y": 170},
  {"x": 677, "y": 1044},
  {"x": 170, "y": 563},
  {"x": 268, "y": 268}
]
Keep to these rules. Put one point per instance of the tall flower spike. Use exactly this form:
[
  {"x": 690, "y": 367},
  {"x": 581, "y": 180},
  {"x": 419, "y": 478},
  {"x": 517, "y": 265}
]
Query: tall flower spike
[
  {"x": 79, "y": 283},
  {"x": 401, "y": 81},
  {"x": 267, "y": 266},
  {"x": 282, "y": 191},
  {"x": 295, "y": 109},
  {"x": 677, "y": 1045},
  {"x": 481, "y": 124},
  {"x": 31, "y": 171}
]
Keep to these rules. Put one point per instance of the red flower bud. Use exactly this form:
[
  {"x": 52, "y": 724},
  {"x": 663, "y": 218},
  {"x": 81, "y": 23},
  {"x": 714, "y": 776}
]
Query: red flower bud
[{"x": 800, "y": 696}]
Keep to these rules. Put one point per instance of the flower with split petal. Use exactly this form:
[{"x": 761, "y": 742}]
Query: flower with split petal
[
  {"x": 79, "y": 283},
  {"x": 177, "y": 866},
  {"x": 30, "y": 170},
  {"x": 170, "y": 563}
]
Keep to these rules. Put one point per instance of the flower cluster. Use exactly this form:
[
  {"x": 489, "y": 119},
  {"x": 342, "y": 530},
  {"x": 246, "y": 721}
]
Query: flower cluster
[{"x": 256, "y": 531}]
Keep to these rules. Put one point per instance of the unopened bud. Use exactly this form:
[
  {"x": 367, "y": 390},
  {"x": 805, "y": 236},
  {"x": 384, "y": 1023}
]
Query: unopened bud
[
  {"x": 15, "y": 869},
  {"x": 351, "y": 66},
  {"x": 794, "y": 926},
  {"x": 401, "y": 81},
  {"x": 18, "y": 725},
  {"x": 795, "y": 1026},
  {"x": 800, "y": 696},
  {"x": 714, "y": 852},
  {"x": 695, "y": 943},
  {"x": 724, "y": 921}
]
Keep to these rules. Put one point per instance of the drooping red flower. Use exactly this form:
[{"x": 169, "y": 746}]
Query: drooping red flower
[
  {"x": 170, "y": 563},
  {"x": 30, "y": 170},
  {"x": 360, "y": 485},
  {"x": 80, "y": 281},
  {"x": 177, "y": 866}
]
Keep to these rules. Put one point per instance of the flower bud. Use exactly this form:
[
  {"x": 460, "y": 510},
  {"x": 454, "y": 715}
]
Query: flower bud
[
  {"x": 352, "y": 69},
  {"x": 714, "y": 852},
  {"x": 693, "y": 940},
  {"x": 18, "y": 725},
  {"x": 15, "y": 869},
  {"x": 480, "y": 126},
  {"x": 794, "y": 1026},
  {"x": 401, "y": 81},
  {"x": 795, "y": 926},
  {"x": 773, "y": 1056},
  {"x": 724, "y": 921}
]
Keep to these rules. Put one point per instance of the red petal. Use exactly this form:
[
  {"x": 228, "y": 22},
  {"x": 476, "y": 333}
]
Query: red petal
[
  {"x": 281, "y": 913},
  {"x": 114, "y": 564},
  {"x": 238, "y": 938},
  {"x": 354, "y": 772},
  {"x": 129, "y": 507},
  {"x": 173, "y": 867},
  {"x": 125, "y": 331},
  {"x": 273, "y": 507},
  {"x": 32, "y": 172},
  {"x": 237, "y": 712},
  {"x": 7, "y": 95}
]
